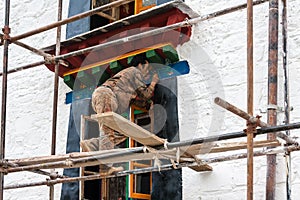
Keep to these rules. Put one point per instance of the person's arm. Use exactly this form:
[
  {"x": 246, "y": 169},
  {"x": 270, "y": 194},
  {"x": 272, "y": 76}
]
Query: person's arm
[{"x": 145, "y": 92}]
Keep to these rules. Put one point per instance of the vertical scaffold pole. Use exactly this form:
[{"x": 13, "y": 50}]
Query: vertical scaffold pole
[
  {"x": 250, "y": 98},
  {"x": 55, "y": 95},
  {"x": 6, "y": 31},
  {"x": 286, "y": 94},
  {"x": 272, "y": 94}
]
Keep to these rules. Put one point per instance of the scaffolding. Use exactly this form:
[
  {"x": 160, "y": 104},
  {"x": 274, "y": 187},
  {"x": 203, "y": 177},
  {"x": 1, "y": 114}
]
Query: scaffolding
[{"x": 166, "y": 150}]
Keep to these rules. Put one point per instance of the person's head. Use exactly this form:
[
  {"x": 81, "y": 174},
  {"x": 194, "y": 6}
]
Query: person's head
[
  {"x": 141, "y": 62},
  {"x": 139, "y": 59}
]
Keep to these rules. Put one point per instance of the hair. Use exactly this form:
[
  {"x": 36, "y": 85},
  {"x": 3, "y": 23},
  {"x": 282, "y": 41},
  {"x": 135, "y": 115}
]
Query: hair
[{"x": 138, "y": 59}]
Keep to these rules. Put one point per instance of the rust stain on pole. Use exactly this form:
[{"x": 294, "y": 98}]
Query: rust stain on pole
[{"x": 272, "y": 93}]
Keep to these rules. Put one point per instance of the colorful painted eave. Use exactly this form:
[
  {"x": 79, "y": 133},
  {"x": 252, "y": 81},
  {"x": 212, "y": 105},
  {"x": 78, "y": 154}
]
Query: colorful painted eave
[{"x": 158, "y": 16}]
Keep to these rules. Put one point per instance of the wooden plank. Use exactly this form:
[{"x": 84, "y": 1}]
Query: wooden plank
[
  {"x": 201, "y": 168},
  {"x": 222, "y": 147},
  {"x": 128, "y": 128}
]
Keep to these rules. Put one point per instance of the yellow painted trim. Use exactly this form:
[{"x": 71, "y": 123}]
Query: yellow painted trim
[
  {"x": 136, "y": 2},
  {"x": 140, "y": 196},
  {"x": 115, "y": 58}
]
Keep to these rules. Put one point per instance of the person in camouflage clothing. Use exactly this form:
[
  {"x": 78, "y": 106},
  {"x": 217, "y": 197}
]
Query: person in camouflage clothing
[{"x": 116, "y": 94}]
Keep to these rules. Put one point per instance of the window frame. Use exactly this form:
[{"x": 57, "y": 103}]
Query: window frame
[{"x": 132, "y": 183}]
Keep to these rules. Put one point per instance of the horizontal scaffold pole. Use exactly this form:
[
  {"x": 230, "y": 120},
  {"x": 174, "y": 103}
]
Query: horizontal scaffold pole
[
  {"x": 32, "y": 49},
  {"x": 38, "y": 171},
  {"x": 153, "y": 169},
  {"x": 25, "y": 67},
  {"x": 233, "y": 135},
  {"x": 76, "y": 162},
  {"x": 67, "y": 161},
  {"x": 68, "y": 20}
]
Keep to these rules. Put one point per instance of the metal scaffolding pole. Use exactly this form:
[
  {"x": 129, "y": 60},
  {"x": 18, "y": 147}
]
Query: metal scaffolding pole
[
  {"x": 25, "y": 46},
  {"x": 34, "y": 50},
  {"x": 73, "y": 162},
  {"x": 6, "y": 31},
  {"x": 55, "y": 95},
  {"x": 250, "y": 99},
  {"x": 234, "y": 135},
  {"x": 56, "y": 82},
  {"x": 161, "y": 168},
  {"x": 287, "y": 107},
  {"x": 272, "y": 94},
  {"x": 18, "y": 69}
]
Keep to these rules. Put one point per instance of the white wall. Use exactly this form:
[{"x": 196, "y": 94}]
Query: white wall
[{"x": 217, "y": 54}]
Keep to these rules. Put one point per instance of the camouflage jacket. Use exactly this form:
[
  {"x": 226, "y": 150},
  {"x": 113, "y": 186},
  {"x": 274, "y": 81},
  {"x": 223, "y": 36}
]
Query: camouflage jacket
[{"x": 130, "y": 88}]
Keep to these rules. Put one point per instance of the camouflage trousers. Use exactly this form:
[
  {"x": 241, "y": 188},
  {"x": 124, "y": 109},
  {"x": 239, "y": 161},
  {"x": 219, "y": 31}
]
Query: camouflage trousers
[{"x": 104, "y": 100}]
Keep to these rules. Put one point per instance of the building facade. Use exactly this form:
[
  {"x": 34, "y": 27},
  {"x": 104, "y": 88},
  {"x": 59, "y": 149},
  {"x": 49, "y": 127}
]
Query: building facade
[{"x": 216, "y": 54}]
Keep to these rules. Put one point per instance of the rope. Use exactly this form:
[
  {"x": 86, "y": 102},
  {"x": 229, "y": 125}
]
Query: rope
[{"x": 166, "y": 144}]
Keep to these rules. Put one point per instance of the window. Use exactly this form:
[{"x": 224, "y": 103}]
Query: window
[
  {"x": 115, "y": 13},
  {"x": 140, "y": 185}
]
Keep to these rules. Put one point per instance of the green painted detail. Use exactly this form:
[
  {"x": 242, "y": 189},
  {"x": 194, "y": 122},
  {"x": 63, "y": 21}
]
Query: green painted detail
[
  {"x": 86, "y": 79},
  {"x": 100, "y": 75},
  {"x": 115, "y": 67},
  {"x": 170, "y": 53},
  {"x": 153, "y": 57},
  {"x": 129, "y": 59},
  {"x": 69, "y": 80}
]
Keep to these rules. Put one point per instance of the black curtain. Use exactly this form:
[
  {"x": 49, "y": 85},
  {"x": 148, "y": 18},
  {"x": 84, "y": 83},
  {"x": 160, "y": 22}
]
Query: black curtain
[{"x": 167, "y": 185}]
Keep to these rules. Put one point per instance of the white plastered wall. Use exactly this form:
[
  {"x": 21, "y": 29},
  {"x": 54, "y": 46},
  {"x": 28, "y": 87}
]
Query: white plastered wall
[{"x": 218, "y": 59}]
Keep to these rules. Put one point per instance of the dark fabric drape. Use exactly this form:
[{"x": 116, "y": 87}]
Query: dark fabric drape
[{"x": 167, "y": 185}]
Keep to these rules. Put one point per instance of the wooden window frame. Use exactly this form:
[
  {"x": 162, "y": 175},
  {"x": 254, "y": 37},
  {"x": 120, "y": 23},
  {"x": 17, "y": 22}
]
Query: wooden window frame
[
  {"x": 132, "y": 143},
  {"x": 138, "y": 6}
]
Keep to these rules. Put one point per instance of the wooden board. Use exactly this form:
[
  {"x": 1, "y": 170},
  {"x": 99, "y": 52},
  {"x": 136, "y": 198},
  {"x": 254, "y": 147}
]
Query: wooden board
[
  {"x": 128, "y": 128},
  {"x": 223, "y": 147},
  {"x": 201, "y": 168}
]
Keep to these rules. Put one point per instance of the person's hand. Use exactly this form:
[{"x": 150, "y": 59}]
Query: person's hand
[{"x": 155, "y": 78}]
